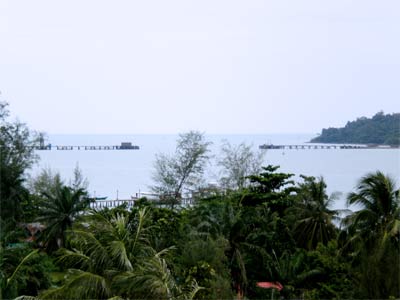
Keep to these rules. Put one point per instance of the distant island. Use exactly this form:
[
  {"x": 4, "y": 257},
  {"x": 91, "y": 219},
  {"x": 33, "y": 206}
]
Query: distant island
[{"x": 381, "y": 129}]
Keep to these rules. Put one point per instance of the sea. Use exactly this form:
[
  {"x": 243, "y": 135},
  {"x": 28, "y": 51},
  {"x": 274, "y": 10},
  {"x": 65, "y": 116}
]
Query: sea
[{"x": 120, "y": 174}]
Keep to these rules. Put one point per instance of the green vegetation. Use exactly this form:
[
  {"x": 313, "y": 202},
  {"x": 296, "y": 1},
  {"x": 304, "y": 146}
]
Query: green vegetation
[
  {"x": 265, "y": 229},
  {"x": 381, "y": 129},
  {"x": 183, "y": 171},
  {"x": 16, "y": 156},
  {"x": 237, "y": 163}
]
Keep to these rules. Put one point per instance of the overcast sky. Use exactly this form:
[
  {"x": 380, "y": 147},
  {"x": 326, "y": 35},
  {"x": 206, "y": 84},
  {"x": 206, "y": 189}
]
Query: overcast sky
[{"x": 167, "y": 66}]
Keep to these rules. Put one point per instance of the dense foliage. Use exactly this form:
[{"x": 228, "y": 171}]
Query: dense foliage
[
  {"x": 381, "y": 129},
  {"x": 16, "y": 156},
  {"x": 271, "y": 230},
  {"x": 274, "y": 231}
]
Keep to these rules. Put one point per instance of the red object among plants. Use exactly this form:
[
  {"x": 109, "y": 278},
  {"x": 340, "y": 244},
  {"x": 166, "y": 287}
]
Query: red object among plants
[{"x": 270, "y": 285}]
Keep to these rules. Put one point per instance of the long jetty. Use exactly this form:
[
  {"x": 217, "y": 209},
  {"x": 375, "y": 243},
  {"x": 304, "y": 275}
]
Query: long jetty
[
  {"x": 123, "y": 146},
  {"x": 324, "y": 146}
]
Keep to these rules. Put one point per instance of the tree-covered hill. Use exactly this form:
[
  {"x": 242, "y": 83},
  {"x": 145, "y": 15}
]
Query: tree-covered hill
[{"x": 380, "y": 129}]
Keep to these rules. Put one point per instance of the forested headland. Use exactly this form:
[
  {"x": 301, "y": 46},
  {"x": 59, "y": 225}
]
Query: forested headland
[
  {"x": 381, "y": 129},
  {"x": 258, "y": 234}
]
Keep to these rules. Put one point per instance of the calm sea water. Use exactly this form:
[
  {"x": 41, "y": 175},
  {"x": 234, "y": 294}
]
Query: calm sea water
[{"x": 124, "y": 173}]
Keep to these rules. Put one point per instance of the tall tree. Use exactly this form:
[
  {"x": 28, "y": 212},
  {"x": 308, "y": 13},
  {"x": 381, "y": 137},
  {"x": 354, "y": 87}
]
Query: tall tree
[
  {"x": 311, "y": 214},
  {"x": 373, "y": 233},
  {"x": 16, "y": 156},
  {"x": 237, "y": 162},
  {"x": 46, "y": 182},
  {"x": 58, "y": 213},
  {"x": 272, "y": 188},
  {"x": 379, "y": 200},
  {"x": 79, "y": 181},
  {"x": 183, "y": 171}
]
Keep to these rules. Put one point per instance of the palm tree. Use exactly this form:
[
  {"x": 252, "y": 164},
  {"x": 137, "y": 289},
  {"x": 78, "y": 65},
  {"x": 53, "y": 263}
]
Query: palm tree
[
  {"x": 152, "y": 279},
  {"x": 379, "y": 201},
  {"x": 373, "y": 234},
  {"x": 90, "y": 263},
  {"x": 313, "y": 219},
  {"x": 292, "y": 271},
  {"x": 59, "y": 211},
  {"x": 112, "y": 257}
]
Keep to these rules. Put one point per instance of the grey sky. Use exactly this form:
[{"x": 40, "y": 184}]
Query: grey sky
[{"x": 167, "y": 66}]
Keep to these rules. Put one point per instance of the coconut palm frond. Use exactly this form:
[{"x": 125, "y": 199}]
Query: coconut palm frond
[
  {"x": 20, "y": 265},
  {"x": 23, "y": 297},
  {"x": 80, "y": 285},
  {"x": 116, "y": 298},
  {"x": 54, "y": 294},
  {"x": 73, "y": 258},
  {"x": 120, "y": 226},
  {"x": 152, "y": 279},
  {"x": 165, "y": 251},
  {"x": 88, "y": 244},
  {"x": 304, "y": 276},
  {"x": 160, "y": 276},
  {"x": 119, "y": 254},
  {"x": 190, "y": 291},
  {"x": 142, "y": 216}
]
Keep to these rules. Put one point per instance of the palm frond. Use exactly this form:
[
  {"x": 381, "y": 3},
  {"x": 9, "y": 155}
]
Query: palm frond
[
  {"x": 190, "y": 291},
  {"x": 74, "y": 258},
  {"x": 23, "y": 297},
  {"x": 20, "y": 265},
  {"x": 152, "y": 278},
  {"x": 88, "y": 244},
  {"x": 120, "y": 255},
  {"x": 140, "y": 239},
  {"x": 80, "y": 285}
]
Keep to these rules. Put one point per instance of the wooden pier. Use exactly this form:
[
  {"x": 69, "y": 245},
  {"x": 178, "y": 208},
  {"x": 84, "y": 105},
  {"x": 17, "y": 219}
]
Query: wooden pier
[
  {"x": 123, "y": 146},
  {"x": 322, "y": 146}
]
